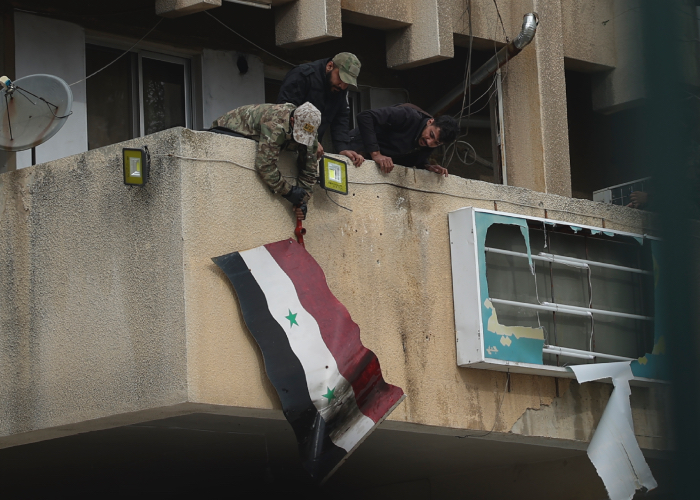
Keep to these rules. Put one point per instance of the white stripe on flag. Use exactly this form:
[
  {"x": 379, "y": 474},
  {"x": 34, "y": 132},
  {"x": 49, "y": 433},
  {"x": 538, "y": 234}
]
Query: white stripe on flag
[{"x": 305, "y": 339}]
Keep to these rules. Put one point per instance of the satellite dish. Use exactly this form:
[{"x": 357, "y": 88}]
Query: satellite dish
[{"x": 32, "y": 110}]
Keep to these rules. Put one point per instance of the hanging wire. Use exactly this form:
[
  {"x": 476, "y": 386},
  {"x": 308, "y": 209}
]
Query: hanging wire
[
  {"x": 467, "y": 83},
  {"x": 332, "y": 200},
  {"x": 121, "y": 55},
  {"x": 250, "y": 42},
  {"x": 501, "y": 20}
]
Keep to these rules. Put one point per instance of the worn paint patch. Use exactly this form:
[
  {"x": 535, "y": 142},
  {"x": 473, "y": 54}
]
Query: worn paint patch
[
  {"x": 609, "y": 233},
  {"x": 525, "y": 347},
  {"x": 595, "y": 231},
  {"x": 639, "y": 239},
  {"x": 576, "y": 229},
  {"x": 614, "y": 450},
  {"x": 519, "y": 332}
]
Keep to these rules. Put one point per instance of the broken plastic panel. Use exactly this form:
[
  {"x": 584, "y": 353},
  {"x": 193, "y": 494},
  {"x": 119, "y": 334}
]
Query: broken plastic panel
[{"x": 536, "y": 295}]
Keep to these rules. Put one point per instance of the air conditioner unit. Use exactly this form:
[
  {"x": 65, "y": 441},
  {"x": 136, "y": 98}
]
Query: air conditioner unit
[
  {"x": 620, "y": 194},
  {"x": 534, "y": 295}
]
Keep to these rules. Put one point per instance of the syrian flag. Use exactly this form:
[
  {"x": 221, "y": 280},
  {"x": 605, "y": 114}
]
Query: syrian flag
[{"x": 330, "y": 385}]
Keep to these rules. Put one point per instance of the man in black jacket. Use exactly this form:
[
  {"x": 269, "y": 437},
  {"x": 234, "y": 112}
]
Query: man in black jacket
[
  {"x": 402, "y": 134},
  {"x": 324, "y": 84}
]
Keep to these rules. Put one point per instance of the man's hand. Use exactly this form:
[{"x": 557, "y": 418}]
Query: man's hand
[
  {"x": 300, "y": 211},
  {"x": 638, "y": 199},
  {"x": 385, "y": 163},
  {"x": 296, "y": 196},
  {"x": 437, "y": 169},
  {"x": 319, "y": 151},
  {"x": 356, "y": 159}
]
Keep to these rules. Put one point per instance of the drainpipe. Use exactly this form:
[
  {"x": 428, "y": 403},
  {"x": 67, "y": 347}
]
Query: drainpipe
[{"x": 527, "y": 33}]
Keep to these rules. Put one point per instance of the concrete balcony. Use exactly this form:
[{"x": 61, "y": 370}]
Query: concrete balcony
[{"x": 113, "y": 318}]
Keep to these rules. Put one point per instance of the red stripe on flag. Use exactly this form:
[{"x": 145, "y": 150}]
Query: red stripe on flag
[{"x": 341, "y": 334}]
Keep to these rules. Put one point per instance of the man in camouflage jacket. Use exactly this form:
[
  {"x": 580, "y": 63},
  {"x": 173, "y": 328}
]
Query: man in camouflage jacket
[{"x": 277, "y": 127}]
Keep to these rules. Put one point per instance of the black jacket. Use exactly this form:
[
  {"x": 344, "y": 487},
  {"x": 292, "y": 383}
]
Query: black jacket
[
  {"x": 394, "y": 131},
  {"x": 308, "y": 82}
]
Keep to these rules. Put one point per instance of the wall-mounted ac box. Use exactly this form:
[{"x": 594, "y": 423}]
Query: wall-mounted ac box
[{"x": 534, "y": 295}]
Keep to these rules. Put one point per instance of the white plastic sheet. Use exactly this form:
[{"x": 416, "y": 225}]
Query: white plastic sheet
[{"x": 614, "y": 450}]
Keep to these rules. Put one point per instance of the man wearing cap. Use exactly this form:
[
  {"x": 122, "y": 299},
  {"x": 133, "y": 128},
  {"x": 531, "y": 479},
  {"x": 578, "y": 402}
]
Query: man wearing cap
[
  {"x": 403, "y": 134},
  {"x": 324, "y": 84},
  {"x": 278, "y": 126}
]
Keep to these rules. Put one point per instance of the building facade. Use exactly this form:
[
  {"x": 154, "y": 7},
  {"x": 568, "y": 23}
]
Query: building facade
[{"x": 122, "y": 346}]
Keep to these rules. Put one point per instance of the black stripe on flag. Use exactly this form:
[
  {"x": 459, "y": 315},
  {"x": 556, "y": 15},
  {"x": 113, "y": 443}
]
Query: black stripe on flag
[{"x": 319, "y": 454}]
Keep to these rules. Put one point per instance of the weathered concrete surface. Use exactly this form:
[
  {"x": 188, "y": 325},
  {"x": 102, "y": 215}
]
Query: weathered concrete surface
[
  {"x": 177, "y": 8},
  {"x": 92, "y": 316},
  {"x": 428, "y": 39},
  {"x": 307, "y": 21},
  {"x": 378, "y": 15},
  {"x": 534, "y": 102},
  {"x": 588, "y": 32},
  {"x": 624, "y": 86},
  {"x": 111, "y": 306}
]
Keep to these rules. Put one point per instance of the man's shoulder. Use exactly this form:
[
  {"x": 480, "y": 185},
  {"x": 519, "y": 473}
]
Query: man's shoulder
[{"x": 310, "y": 68}]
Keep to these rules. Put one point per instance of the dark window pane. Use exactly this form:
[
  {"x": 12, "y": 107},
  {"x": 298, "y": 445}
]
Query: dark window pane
[
  {"x": 109, "y": 97},
  {"x": 163, "y": 95}
]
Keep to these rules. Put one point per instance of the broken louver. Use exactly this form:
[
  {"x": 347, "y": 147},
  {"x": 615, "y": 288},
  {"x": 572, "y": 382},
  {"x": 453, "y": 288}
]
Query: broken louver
[{"x": 330, "y": 385}]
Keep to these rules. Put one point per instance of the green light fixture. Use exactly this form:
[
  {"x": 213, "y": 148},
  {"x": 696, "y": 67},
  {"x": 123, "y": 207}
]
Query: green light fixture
[
  {"x": 137, "y": 166},
  {"x": 334, "y": 175}
]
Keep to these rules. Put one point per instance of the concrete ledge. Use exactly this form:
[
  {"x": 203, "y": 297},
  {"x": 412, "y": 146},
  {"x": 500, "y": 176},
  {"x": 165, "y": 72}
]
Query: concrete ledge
[
  {"x": 177, "y": 8},
  {"x": 305, "y": 22}
]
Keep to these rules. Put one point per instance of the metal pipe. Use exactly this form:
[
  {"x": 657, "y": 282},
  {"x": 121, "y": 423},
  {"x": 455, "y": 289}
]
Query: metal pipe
[
  {"x": 527, "y": 33},
  {"x": 576, "y": 353},
  {"x": 567, "y": 309},
  {"x": 559, "y": 352},
  {"x": 596, "y": 264},
  {"x": 542, "y": 257}
]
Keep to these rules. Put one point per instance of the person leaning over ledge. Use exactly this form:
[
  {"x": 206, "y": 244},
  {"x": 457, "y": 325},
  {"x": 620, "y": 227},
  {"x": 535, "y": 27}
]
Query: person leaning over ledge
[
  {"x": 402, "y": 134},
  {"x": 324, "y": 83},
  {"x": 277, "y": 127}
]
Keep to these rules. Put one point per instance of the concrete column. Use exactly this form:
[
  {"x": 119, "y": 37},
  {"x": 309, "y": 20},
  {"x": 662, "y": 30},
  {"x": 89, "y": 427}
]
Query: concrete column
[
  {"x": 304, "y": 22},
  {"x": 623, "y": 87},
  {"x": 428, "y": 39},
  {"x": 534, "y": 101},
  {"x": 177, "y": 8}
]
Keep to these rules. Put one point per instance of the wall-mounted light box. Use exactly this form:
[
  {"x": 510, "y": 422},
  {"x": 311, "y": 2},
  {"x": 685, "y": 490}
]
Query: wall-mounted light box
[
  {"x": 136, "y": 166},
  {"x": 333, "y": 175},
  {"x": 535, "y": 295}
]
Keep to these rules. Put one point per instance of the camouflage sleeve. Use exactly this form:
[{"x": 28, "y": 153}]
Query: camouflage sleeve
[
  {"x": 308, "y": 169},
  {"x": 271, "y": 139}
]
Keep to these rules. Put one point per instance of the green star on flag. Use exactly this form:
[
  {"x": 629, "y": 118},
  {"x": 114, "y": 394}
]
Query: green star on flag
[
  {"x": 292, "y": 318},
  {"x": 330, "y": 394}
]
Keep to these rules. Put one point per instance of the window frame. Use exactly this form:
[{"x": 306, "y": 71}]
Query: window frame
[{"x": 157, "y": 52}]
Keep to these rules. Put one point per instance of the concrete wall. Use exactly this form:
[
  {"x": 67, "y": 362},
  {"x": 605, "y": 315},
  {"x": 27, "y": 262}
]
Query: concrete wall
[
  {"x": 224, "y": 87},
  {"x": 43, "y": 45},
  {"x": 112, "y": 309}
]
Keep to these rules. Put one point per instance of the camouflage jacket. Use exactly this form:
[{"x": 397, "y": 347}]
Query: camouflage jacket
[{"x": 269, "y": 125}]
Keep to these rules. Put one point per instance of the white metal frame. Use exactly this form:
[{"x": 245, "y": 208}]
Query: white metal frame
[
  {"x": 186, "y": 63},
  {"x": 467, "y": 296}
]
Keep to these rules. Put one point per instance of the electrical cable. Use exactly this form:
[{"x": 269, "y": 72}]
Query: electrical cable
[
  {"x": 408, "y": 188},
  {"x": 244, "y": 38},
  {"x": 121, "y": 55},
  {"x": 332, "y": 200},
  {"x": 501, "y": 20}
]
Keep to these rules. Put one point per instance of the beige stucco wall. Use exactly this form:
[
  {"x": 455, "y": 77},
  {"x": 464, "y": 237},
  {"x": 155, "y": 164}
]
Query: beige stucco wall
[{"x": 110, "y": 303}]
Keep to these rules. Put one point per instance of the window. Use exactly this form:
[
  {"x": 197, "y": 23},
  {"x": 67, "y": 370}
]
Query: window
[{"x": 138, "y": 94}]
